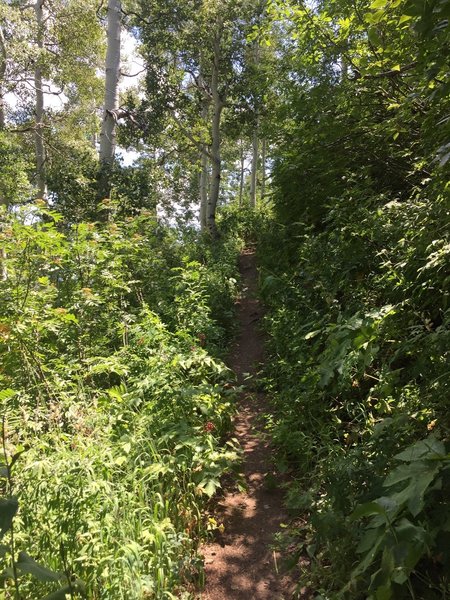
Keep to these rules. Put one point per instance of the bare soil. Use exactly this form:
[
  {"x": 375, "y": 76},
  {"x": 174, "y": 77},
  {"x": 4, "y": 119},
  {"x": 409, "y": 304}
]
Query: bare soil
[{"x": 240, "y": 563}]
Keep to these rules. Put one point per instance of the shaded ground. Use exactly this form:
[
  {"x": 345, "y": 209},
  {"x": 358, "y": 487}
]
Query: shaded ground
[{"x": 240, "y": 564}]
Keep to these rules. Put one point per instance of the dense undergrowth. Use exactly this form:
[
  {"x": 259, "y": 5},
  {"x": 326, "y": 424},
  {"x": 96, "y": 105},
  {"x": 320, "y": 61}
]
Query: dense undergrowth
[
  {"x": 358, "y": 321},
  {"x": 355, "y": 275},
  {"x": 116, "y": 403}
]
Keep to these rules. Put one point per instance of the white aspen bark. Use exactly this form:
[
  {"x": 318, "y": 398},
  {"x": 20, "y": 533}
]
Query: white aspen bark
[
  {"x": 111, "y": 105},
  {"x": 39, "y": 145},
  {"x": 263, "y": 168},
  {"x": 255, "y": 138},
  {"x": 254, "y": 171},
  {"x": 204, "y": 177},
  {"x": 4, "y": 272},
  {"x": 4, "y": 269},
  {"x": 217, "y": 104},
  {"x": 241, "y": 174},
  {"x": 3, "y": 58}
]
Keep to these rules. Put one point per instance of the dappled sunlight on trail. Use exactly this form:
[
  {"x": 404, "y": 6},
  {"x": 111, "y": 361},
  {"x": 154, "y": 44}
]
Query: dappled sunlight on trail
[{"x": 240, "y": 564}]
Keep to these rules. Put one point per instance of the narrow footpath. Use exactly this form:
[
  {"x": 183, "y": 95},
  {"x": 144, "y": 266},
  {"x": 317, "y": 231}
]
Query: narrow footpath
[{"x": 240, "y": 564}]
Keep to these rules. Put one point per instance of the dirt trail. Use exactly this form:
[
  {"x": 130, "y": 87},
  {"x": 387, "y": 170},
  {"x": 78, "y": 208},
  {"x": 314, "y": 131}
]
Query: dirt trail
[{"x": 240, "y": 564}]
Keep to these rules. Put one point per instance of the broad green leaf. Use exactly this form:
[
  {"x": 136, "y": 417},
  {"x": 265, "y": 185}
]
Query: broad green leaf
[
  {"x": 367, "y": 510},
  {"x": 66, "y": 591},
  {"x": 369, "y": 538},
  {"x": 8, "y": 510},
  {"x": 374, "y": 36},
  {"x": 410, "y": 471},
  {"x": 61, "y": 594},
  {"x": 7, "y": 394},
  {"x": 428, "y": 449},
  {"x": 26, "y": 564},
  {"x": 413, "y": 494},
  {"x": 408, "y": 532},
  {"x": 210, "y": 487}
]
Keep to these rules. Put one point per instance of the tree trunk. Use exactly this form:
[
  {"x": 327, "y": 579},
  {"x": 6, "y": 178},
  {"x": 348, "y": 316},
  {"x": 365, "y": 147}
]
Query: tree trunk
[
  {"x": 3, "y": 257},
  {"x": 204, "y": 177},
  {"x": 215, "y": 137},
  {"x": 255, "y": 139},
  {"x": 3, "y": 58},
  {"x": 41, "y": 180},
  {"x": 254, "y": 171},
  {"x": 111, "y": 105},
  {"x": 263, "y": 168},
  {"x": 241, "y": 175}
]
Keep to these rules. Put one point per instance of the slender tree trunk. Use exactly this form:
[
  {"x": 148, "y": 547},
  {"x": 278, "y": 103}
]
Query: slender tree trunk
[
  {"x": 344, "y": 69},
  {"x": 3, "y": 58},
  {"x": 263, "y": 168},
  {"x": 255, "y": 137},
  {"x": 41, "y": 179},
  {"x": 215, "y": 137},
  {"x": 111, "y": 105},
  {"x": 254, "y": 171},
  {"x": 204, "y": 176},
  {"x": 241, "y": 175}
]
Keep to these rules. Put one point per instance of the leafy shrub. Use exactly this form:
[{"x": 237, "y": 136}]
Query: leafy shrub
[
  {"x": 358, "y": 321},
  {"x": 122, "y": 404}
]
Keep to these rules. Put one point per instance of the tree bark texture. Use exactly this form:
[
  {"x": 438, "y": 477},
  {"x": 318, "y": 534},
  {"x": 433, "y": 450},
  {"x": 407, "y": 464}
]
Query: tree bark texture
[
  {"x": 263, "y": 168},
  {"x": 204, "y": 176},
  {"x": 111, "y": 104},
  {"x": 3, "y": 58},
  {"x": 39, "y": 144},
  {"x": 255, "y": 137},
  {"x": 241, "y": 174},
  {"x": 254, "y": 171},
  {"x": 217, "y": 106}
]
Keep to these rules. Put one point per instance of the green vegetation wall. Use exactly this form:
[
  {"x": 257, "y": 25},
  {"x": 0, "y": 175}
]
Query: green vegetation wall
[{"x": 356, "y": 277}]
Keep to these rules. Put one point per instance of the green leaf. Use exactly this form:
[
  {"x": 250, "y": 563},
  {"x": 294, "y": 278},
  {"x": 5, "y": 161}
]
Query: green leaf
[
  {"x": 378, "y": 4},
  {"x": 210, "y": 487},
  {"x": 411, "y": 471},
  {"x": 413, "y": 494},
  {"x": 8, "y": 573},
  {"x": 428, "y": 449},
  {"x": 381, "y": 506},
  {"x": 369, "y": 539},
  {"x": 367, "y": 510},
  {"x": 312, "y": 334},
  {"x": 374, "y": 36},
  {"x": 26, "y": 564},
  {"x": 7, "y": 394},
  {"x": 8, "y": 510},
  {"x": 61, "y": 594}
]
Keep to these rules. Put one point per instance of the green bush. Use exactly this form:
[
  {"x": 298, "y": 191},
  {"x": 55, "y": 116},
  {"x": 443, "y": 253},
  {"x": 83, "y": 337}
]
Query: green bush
[{"x": 121, "y": 404}]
